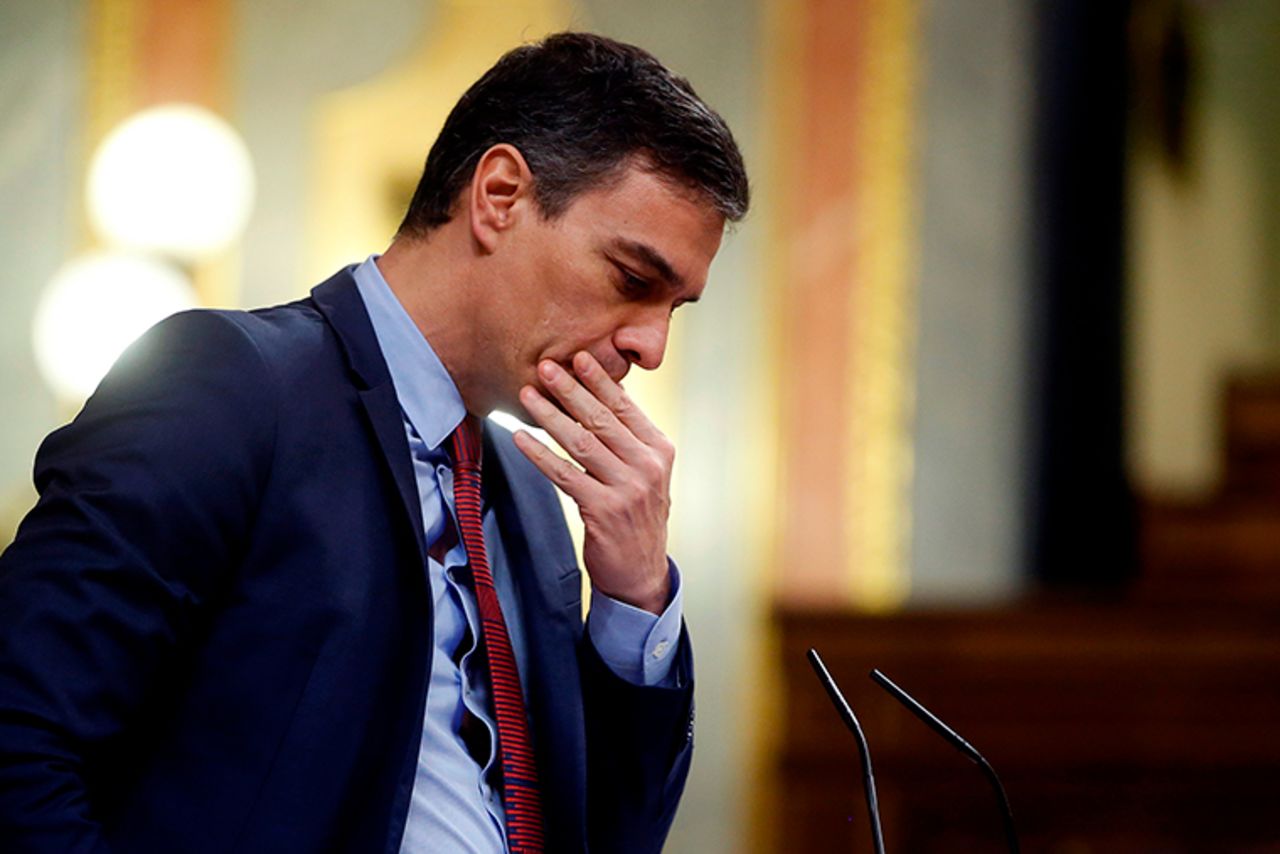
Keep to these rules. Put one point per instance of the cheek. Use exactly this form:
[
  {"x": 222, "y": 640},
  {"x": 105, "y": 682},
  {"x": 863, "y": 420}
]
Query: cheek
[
  {"x": 573, "y": 316},
  {"x": 566, "y": 303}
]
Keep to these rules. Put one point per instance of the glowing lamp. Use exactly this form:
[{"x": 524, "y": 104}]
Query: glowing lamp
[
  {"x": 94, "y": 307},
  {"x": 173, "y": 179}
]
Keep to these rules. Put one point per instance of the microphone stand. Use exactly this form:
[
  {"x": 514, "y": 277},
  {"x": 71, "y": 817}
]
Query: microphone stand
[
  {"x": 953, "y": 738},
  {"x": 851, "y": 721}
]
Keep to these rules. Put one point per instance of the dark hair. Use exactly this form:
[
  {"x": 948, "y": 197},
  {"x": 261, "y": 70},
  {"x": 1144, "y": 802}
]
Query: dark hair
[{"x": 578, "y": 107}]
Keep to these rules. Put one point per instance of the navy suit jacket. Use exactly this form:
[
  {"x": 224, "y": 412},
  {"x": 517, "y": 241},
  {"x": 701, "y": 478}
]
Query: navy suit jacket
[{"x": 215, "y": 628}]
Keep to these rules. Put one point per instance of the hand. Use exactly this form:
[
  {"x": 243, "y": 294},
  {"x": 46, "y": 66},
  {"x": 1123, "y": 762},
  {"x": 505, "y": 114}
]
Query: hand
[{"x": 623, "y": 488}]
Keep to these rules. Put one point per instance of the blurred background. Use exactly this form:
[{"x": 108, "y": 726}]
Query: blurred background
[{"x": 985, "y": 392}]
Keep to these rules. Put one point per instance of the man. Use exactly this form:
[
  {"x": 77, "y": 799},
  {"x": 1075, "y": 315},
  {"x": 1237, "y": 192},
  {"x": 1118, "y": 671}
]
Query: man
[{"x": 264, "y": 602}]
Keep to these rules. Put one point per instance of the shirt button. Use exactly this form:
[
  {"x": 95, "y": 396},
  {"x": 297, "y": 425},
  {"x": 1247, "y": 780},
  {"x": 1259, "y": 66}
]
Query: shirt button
[{"x": 660, "y": 649}]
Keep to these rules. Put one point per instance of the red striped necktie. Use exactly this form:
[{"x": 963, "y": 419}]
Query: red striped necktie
[{"x": 520, "y": 795}]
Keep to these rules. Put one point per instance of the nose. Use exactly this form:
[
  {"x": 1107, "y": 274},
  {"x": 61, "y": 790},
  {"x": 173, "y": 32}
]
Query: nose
[{"x": 643, "y": 340}]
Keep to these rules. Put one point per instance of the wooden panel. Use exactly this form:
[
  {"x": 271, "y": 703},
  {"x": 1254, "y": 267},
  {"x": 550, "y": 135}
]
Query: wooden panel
[
  {"x": 1252, "y": 419},
  {"x": 1115, "y": 729},
  {"x": 1227, "y": 547}
]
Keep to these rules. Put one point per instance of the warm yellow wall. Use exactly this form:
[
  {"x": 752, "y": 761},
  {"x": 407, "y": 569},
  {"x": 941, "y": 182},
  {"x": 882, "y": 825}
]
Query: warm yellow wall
[
  {"x": 843, "y": 262},
  {"x": 1203, "y": 251}
]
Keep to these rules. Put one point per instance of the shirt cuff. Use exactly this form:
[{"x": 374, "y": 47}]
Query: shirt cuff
[{"x": 638, "y": 646}]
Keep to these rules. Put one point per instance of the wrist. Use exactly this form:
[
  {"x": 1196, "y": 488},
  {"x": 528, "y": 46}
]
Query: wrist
[{"x": 653, "y": 596}]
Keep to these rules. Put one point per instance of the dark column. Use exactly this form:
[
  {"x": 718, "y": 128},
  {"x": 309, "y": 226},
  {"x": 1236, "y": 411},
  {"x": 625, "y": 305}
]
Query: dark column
[{"x": 1082, "y": 521}]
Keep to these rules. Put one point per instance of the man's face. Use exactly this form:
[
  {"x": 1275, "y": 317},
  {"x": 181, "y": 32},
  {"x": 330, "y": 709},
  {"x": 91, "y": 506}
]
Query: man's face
[{"x": 603, "y": 277}]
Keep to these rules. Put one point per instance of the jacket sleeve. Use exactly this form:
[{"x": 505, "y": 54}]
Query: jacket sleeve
[
  {"x": 146, "y": 500},
  {"x": 639, "y": 745}
]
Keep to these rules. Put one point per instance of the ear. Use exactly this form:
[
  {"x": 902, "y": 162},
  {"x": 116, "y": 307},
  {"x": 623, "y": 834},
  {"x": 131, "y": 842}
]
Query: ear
[{"x": 500, "y": 186}]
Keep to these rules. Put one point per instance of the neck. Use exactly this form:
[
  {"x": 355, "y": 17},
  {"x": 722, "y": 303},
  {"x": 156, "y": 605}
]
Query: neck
[{"x": 434, "y": 278}]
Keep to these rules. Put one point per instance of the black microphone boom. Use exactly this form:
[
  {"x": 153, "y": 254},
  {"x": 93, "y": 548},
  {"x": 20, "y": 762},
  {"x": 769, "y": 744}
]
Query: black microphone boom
[
  {"x": 851, "y": 721},
  {"x": 953, "y": 738}
]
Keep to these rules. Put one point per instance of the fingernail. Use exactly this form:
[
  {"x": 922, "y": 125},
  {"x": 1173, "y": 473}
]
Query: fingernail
[{"x": 547, "y": 369}]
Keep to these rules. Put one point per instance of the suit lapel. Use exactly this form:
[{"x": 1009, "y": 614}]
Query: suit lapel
[
  {"x": 339, "y": 301},
  {"x": 539, "y": 553}
]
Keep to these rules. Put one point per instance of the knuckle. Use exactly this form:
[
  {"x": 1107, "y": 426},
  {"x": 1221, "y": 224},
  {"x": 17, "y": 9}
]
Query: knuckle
[
  {"x": 582, "y": 442},
  {"x": 637, "y": 493},
  {"x": 564, "y": 470},
  {"x": 655, "y": 468},
  {"x": 666, "y": 451},
  {"x": 597, "y": 419},
  {"x": 616, "y": 506},
  {"x": 623, "y": 405}
]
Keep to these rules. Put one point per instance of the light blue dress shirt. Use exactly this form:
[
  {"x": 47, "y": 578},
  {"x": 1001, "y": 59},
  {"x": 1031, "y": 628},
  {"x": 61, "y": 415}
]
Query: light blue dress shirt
[{"x": 454, "y": 807}]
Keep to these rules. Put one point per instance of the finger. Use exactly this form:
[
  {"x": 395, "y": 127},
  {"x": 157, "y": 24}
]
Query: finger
[
  {"x": 591, "y": 413},
  {"x": 576, "y": 440},
  {"x": 597, "y": 380},
  {"x": 572, "y": 480}
]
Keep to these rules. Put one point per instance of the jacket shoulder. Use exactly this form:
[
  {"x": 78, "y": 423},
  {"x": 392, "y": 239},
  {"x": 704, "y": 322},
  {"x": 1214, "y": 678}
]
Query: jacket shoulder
[{"x": 285, "y": 342}]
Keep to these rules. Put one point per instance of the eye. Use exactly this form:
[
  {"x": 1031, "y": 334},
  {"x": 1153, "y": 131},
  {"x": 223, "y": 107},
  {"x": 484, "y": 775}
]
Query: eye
[{"x": 630, "y": 284}]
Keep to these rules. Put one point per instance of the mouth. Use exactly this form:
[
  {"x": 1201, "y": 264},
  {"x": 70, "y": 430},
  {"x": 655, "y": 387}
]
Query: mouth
[{"x": 616, "y": 371}]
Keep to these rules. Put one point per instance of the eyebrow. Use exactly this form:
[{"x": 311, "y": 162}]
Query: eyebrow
[{"x": 653, "y": 258}]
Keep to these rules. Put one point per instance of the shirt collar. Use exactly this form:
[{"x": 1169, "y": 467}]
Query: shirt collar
[{"x": 427, "y": 394}]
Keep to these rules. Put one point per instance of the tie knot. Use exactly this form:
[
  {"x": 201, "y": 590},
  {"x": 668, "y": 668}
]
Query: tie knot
[{"x": 464, "y": 443}]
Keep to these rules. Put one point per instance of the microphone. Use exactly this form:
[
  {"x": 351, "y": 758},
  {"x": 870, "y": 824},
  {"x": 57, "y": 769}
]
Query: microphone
[
  {"x": 851, "y": 721},
  {"x": 953, "y": 738}
]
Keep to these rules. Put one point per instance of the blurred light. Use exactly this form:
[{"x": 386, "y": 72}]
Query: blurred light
[
  {"x": 174, "y": 179},
  {"x": 94, "y": 307},
  {"x": 572, "y": 516},
  {"x": 512, "y": 423}
]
